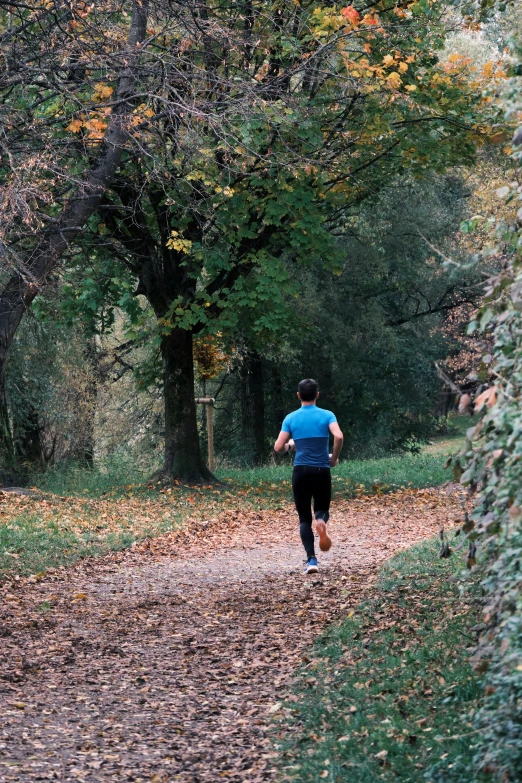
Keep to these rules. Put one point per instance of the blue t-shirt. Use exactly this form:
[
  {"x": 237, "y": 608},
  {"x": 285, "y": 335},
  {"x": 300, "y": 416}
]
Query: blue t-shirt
[{"x": 309, "y": 427}]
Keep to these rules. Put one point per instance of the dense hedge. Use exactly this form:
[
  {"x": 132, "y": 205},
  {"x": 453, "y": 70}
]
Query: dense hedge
[
  {"x": 495, "y": 465},
  {"x": 493, "y": 469}
]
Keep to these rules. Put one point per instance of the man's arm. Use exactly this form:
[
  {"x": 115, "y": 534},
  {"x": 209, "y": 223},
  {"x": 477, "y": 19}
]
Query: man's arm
[
  {"x": 338, "y": 443},
  {"x": 284, "y": 443}
]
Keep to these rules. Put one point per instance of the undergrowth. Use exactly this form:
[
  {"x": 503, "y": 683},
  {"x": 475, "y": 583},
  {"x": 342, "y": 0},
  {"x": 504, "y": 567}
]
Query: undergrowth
[{"x": 389, "y": 694}]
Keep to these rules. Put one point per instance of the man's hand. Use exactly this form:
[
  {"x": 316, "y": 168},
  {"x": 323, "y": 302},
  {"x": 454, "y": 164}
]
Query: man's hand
[
  {"x": 290, "y": 446},
  {"x": 338, "y": 443}
]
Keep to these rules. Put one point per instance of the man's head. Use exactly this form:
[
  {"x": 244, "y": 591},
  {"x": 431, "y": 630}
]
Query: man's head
[{"x": 307, "y": 390}]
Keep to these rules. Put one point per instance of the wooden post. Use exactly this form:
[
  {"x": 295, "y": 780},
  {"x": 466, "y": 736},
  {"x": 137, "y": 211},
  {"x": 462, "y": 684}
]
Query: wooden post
[
  {"x": 210, "y": 436},
  {"x": 209, "y": 402}
]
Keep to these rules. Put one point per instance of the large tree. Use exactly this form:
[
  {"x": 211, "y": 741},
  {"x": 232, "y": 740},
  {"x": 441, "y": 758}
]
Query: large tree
[{"x": 207, "y": 217}]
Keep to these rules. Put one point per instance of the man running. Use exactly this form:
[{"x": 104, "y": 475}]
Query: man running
[{"x": 307, "y": 431}]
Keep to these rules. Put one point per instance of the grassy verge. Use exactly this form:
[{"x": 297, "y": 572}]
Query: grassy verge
[
  {"x": 31, "y": 544},
  {"x": 388, "y": 694},
  {"x": 355, "y": 477},
  {"x": 118, "y": 475}
]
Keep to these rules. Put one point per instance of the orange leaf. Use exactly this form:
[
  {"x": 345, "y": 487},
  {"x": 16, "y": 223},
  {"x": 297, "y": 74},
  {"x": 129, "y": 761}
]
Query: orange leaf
[
  {"x": 351, "y": 14},
  {"x": 500, "y": 137},
  {"x": 488, "y": 397},
  {"x": 75, "y": 126}
]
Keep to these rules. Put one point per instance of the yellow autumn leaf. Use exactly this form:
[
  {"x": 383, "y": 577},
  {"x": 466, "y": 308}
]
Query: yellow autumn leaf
[
  {"x": 403, "y": 67},
  {"x": 102, "y": 91},
  {"x": 388, "y": 60},
  {"x": 411, "y": 87},
  {"x": 176, "y": 242},
  {"x": 96, "y": 125},
  {"x": 394, "y": 80}
]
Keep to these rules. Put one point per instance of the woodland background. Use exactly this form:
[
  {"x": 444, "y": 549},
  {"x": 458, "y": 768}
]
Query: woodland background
[{"x": 362, "y": 280}]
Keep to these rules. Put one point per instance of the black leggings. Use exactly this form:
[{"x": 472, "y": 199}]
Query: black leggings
[{"x": 309, "y": 482}]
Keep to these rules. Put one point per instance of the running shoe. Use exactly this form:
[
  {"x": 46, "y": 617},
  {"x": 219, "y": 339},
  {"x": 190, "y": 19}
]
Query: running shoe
[
  {"x": 311, "y": 566},
  {"x": 324, "y": 540}
]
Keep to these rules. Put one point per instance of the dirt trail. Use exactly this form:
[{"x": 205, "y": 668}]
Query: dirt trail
[{"x": 164, "y": 663}]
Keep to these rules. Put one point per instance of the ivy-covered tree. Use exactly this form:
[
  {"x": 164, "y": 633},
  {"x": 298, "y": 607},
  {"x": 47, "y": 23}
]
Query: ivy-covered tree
[{"x": 493, "y": 453}]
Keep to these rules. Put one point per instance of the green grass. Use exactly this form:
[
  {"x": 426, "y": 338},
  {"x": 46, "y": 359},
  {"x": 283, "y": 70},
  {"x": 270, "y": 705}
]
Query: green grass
[
  {"x": 30, "y": 544},
  {"x": 388, "y": 694},
  {"x": 453, "y": 438},
  {"x": 385, "y": 474},
  {"x": 74, "y": 479}
]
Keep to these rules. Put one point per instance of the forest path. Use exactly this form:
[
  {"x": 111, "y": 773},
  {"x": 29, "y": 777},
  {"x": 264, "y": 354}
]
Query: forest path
[{"x": 166, "y": 662}]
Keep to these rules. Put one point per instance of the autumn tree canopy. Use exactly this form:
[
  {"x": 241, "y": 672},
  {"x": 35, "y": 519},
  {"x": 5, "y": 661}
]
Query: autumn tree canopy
[{"x": 195, "y": 148}]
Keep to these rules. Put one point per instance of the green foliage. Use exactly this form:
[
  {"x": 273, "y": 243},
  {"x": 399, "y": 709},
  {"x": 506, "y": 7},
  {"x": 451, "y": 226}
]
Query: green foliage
[
  {"x": 220, "y": 212},
  {"x": 493, "y": 469},
  {"x": 50, "y": 392},
  {"x": 482, "y": 9},
  {"x": 494, "y": 464},
  {"x": 392, "y": 685}
]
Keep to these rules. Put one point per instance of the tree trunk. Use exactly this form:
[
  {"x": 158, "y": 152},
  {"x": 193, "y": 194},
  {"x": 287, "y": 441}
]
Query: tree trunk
[
  {"x": 182, "y": 454},
  {"x": 279, "y": 408},
  {"x": 7, "y": 453},
  {"x": 253, "y": 406},
  {"x": 258, "y": 393},
  {"x": 22, "y": 287},
  {"x": 91, "y": 393},
  {"x": 28, "y": 441}
]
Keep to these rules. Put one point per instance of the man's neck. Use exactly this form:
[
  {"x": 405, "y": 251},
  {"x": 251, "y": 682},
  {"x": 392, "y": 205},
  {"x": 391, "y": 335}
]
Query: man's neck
[{"x": 306, "y": 404}]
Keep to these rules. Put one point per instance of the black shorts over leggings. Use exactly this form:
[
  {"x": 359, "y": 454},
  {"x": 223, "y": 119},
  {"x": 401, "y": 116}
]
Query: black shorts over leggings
[{"x": 309, "y": 482}]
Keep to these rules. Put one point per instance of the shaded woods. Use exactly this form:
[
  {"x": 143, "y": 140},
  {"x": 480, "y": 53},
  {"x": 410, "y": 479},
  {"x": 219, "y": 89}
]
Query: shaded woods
[{"x": 279, "y": 182}]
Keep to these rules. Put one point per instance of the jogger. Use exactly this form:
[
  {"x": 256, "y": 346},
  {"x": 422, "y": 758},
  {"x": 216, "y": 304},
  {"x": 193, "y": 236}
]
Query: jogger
[{"x": 307, "y": 430}]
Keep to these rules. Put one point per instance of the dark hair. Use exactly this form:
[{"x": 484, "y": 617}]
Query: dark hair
[{"x": 308, "y": 389}]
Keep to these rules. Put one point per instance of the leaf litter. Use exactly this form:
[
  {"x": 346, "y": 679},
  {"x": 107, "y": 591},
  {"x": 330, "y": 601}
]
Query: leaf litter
[{"x": 170, "y": 661}]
